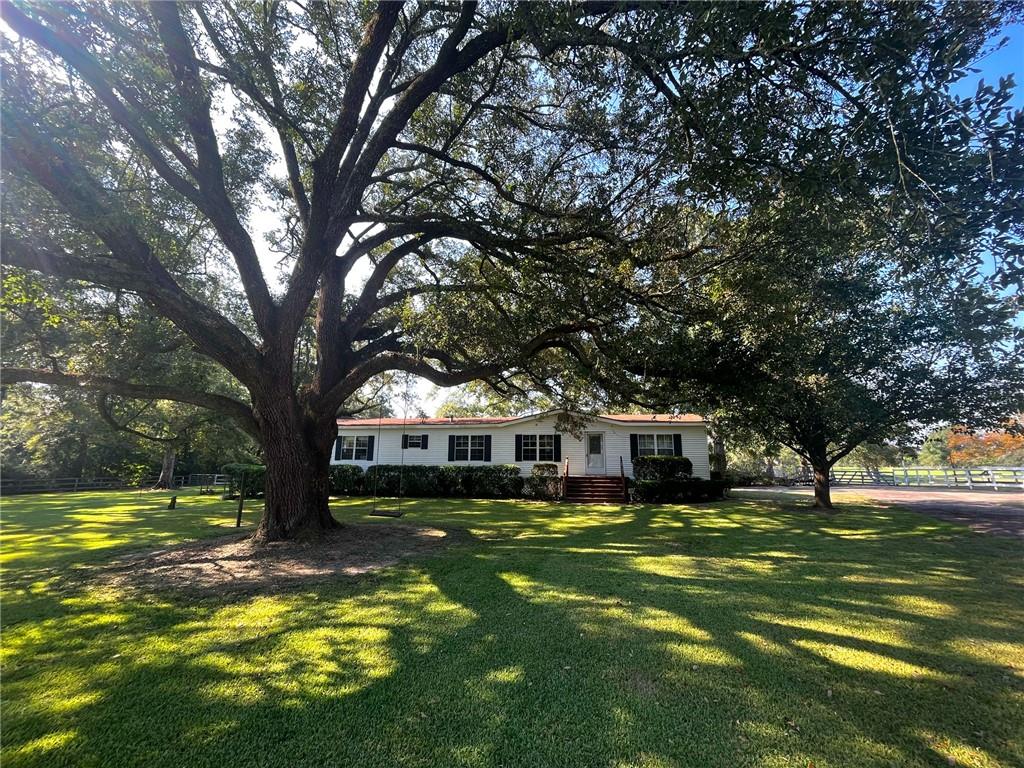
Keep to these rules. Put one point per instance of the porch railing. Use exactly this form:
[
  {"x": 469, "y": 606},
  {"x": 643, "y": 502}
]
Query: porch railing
[{"x": 622, "y": 479}]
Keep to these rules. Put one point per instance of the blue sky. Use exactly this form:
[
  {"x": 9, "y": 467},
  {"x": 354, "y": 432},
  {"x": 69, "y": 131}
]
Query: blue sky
[{"x": 1007, "y": 60}]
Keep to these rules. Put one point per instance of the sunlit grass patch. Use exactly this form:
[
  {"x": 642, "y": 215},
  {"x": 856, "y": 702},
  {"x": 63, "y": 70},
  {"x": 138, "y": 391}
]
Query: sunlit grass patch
[
  {"x": 732, "y": 634},
  {"x": 871, "y": 662},
  {"x": 43, "y": 530}
]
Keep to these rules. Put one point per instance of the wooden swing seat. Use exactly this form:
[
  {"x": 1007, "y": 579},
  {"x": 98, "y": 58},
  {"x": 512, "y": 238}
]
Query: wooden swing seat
[
  {"x": 397, "y": 511},
  {"x": 386, "y": 513}
]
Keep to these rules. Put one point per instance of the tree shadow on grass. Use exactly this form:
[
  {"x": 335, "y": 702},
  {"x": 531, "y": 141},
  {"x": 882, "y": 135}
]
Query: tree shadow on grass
[{"x": 645, "y": 636}]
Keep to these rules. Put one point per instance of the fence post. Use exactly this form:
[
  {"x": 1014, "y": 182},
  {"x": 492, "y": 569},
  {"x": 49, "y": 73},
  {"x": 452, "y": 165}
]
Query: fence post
[
  {"x": 241, "y": 501},
  {"x": 970, "y": 483}
]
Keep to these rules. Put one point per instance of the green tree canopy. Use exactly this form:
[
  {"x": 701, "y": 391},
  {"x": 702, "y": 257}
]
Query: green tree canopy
[{"x": 512, "y": 173}]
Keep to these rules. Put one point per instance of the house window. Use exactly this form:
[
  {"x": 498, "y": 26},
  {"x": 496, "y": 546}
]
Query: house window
[
  {"x": 545, "y": 447},
  {"x": 529, "y": 447},
  {"x": 414, "y": 441},
  {"x": 537, "y": 448},
  {"x": 476, "y": 448},
  {"x": 462, "y": 448},
  {"x": 654, "y": 445},
  {"x": 354, "y": 448}
]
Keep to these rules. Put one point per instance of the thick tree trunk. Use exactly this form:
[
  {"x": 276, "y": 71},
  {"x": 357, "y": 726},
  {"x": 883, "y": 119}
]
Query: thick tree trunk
[
  {"x": 822, "y": 493},
  {"x": 166, "y": 479},
  {"x": 769, "y": 468},
  {"x": 718, "y": 459},
  {"x": 296, "y": 449}
]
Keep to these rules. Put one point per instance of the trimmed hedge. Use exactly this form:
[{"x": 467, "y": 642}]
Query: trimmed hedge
[
  {"x": 746, "y": 479},
  {"x": 678, "y": 489},
  {"x": 346, "y": 480},
  {"x": 543, "y": 482},
  {"x": 499, "y": 481},
  {"x": 255, "y": 479},
  {"x": 661, "y": 467}
]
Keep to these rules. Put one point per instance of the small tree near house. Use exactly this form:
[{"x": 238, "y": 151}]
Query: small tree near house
[{"x": 840, "y": 355}]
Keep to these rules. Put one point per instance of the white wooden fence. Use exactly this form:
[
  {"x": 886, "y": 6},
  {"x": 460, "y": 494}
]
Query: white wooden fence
[
  {"x": 997, "y": 478},
  {"x": 960, "y": 477},
  {"x": 10, "y": 487}
]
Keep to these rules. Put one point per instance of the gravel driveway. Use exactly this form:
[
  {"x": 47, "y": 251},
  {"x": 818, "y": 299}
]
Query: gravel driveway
[{"x": 996, "y": 512}]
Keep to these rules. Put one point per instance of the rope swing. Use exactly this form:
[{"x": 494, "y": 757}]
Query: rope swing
[{"x": 396, "y": 511}]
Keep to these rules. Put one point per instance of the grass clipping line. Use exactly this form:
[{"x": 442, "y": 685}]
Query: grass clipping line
[{"x": 238, "y": 563}]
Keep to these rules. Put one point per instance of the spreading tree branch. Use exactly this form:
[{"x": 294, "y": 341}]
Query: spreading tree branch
[
  {"x": 222, "y": 404},
  {"x": 195, "y": 104}
]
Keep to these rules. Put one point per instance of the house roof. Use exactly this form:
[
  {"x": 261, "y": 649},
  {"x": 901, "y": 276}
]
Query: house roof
[
  {"x": 413, "y": 421},
  {"x": 632, "y": 418}
]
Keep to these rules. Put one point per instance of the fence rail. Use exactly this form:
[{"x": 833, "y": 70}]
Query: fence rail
[
  {"x": 42, "y": 485},
  {"x": 929, "y": 477},
  {"x": 10, "y": 487}
]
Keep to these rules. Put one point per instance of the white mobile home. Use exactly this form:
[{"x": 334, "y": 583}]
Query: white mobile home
[{"x": 606, "y": 443}]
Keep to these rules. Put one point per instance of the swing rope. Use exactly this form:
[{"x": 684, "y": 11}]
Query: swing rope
[{"x": 397, "y": 512}]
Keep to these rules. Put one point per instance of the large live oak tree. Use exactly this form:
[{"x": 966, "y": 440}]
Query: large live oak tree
[
  {"x": 411, "y": 135},
  {"x": 505, "y": 169}
]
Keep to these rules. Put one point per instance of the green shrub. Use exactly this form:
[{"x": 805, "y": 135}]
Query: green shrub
[
  {"x": 346, "y": 480},
  {"x": 392, "y": 480},
  {"x": 449, "y": 481},
  {"x": 661, "y": 467},
  {"x": 134, "y": 474},
  {"x": 740, "y": 479},
  {"x": 500, "y": 481},
  {"x": 543, "y": 482},
  {"x": 255, "y": 479},
  {"x": 418, "y": 480},
  {"x": 678, "y": 489}
]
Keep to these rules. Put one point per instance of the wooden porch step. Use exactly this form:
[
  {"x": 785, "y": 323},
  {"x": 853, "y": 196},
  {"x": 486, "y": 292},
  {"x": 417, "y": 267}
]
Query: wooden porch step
[{"x": 594, "y": 489}]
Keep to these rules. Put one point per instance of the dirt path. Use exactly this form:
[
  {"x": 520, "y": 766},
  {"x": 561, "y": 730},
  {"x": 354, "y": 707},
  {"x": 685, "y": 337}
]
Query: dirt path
[
  {"x": 996, "y": 512},
  {"x": 235, "y": 563}
]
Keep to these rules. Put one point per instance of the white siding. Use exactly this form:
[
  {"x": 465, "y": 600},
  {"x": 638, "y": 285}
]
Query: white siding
[{"x": 388, "y": 443}]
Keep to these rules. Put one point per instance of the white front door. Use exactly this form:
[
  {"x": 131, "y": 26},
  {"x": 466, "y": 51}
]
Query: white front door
[{"x": 595, "y": 453}]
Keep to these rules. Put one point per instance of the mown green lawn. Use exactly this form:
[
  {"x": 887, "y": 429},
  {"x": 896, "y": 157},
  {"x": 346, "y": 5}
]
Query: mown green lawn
[{"x": 731, "y": 634}]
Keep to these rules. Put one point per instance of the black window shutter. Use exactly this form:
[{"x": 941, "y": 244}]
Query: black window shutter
[
  {"x": 558, "y": 447},
  {"x": 405, "y": 442},
  {"x": 519, "y": 447},
  {"x": 451, "y": 447},
  {"x": 369, "y": 448},
  {"x": 633, "y": 449},
  {"x": 423, "y": 442},
  {"x": 677, "y": 444},
  {"x": 487, "y": 447},
  {"x": 337, "y": 448}
]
